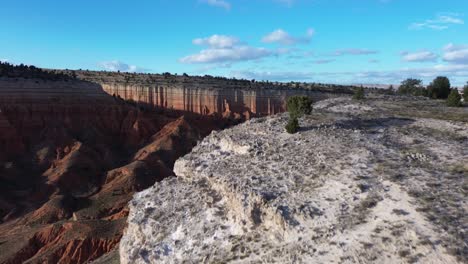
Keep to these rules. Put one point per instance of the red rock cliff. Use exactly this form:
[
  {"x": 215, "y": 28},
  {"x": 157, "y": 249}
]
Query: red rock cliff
[{"x": 71, "y": 157}]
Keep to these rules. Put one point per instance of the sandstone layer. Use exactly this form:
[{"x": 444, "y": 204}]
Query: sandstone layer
[
  {"x": 383, "y": 181},
  {"x": 206, "y": 95}
]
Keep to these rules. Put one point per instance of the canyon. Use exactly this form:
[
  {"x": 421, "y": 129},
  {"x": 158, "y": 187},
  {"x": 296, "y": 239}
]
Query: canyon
[
  {"x": 74, "y": 150},
  {"x": 206, "y": 95}
]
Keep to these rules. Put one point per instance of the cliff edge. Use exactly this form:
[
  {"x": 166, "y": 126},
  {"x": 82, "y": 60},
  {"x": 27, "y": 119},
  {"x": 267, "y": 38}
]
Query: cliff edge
[{"x": 379, "y": 181}]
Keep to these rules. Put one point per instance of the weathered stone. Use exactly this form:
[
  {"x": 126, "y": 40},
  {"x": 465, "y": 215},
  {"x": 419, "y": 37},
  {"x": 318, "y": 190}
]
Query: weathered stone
[{"x": 256, "y": 194}]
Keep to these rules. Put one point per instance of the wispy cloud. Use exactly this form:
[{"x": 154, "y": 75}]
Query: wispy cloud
[
  {"x": 223, "y": 55},
  {"x": 218, "y": 3},
  {"x": 457, "y": 54},
  {"x": 420, "y": 56},
  {"x": 440, "y": 22},
  {"x": 217, "y": 41},
  {"x": 282, "y": 37},
  {"x": 222, "y": 49},
  {"x": 343, "y": 52},
  {"x": 120, "y": 66},
  {"x": 457, "y": 73}
]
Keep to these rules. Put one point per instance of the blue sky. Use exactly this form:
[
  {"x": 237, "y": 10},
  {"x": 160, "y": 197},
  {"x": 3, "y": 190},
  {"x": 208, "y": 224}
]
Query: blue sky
[{"x": 333, "y": 41}]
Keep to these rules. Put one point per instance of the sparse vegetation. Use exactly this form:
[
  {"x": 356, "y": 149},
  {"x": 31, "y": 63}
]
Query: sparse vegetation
[
  {"x": 390, "y": 90},
  {"x": 359, "y": 94},
  {"x": 412, "y": 87},
  {"x": 454, "y": 99},
  {"x": 31, "y": 72},
  {"x": 297, "y": 107}
]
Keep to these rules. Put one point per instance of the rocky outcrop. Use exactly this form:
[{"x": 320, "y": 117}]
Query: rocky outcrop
[{"x": 374, "y": 185}]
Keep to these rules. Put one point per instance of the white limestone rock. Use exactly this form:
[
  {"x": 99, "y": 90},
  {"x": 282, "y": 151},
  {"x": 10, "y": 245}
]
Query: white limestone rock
[{"x": 332, "y": 193}]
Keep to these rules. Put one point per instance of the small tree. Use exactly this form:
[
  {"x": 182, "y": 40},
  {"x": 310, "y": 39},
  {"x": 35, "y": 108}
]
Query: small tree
[
  {"x": 410, "y": 86},
  {"x": 297, "y": 106},
  {"x": 439, "y": 88},
  {"x": 454, "y": 99},
  {"x": 465, "y": 93},
  {"x": 359, "y": 94},
  {"x": 293, "y": 125}
]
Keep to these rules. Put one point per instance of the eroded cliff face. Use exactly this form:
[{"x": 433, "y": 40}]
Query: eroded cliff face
[
  {"x": 232, "y": 98},
  {"x": 202, "y": 100},
  {"x": 241, "y": 103},
  {"x": 360, "y": 183},
  {"x": 71, "y": 157}
]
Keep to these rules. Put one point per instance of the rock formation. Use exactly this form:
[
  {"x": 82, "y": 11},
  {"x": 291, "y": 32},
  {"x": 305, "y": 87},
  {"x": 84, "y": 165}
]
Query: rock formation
[
  {"x": 73, "y": 152},
  {"x": 71, "y": 158},
  {"x": 377, "y": 182},
  {"x": 203, "y": 95},
  {"x": 202, "y": 100}
]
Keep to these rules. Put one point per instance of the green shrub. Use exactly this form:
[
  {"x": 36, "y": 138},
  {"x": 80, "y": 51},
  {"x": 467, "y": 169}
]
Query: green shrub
[
  {"x": 359, "y": 94},
  {"x": 411, "y": 87},
  {"x": 293, "y": 125},
  {"x": 454, "y": 99},
  {"x": 297, "y": 106}
]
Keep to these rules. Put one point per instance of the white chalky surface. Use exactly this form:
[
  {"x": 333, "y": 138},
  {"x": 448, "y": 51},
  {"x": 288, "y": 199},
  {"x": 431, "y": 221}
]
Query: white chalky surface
[{"x": 342, "y": 190}]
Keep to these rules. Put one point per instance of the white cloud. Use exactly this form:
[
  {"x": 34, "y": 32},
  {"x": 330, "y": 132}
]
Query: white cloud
[
  {"x": 222, "y": 49},
  {"x": 120, "y": 66},
  {"x": 441, "y": 22},
  {"x": 456, "y": 73},
  {"x": 421, "y": 56},
  {"x": 284, "y": 38},
  {"x": 218, "y": 3},
  {"x": 4, "y": 60},
  {"x": 343, "y": 52},
  {"x": 224, "y": 55},
  {"x": 456, "y": 54},
  {"x": 452, "y": 47},
  {"x": 217, "y": 41}
]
